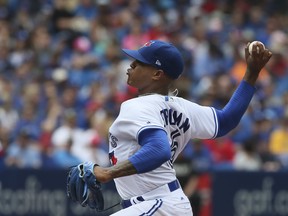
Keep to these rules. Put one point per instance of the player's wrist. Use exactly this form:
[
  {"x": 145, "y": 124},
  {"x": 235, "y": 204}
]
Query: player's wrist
[
  {"x": 102, "y": 174},
  {"x": 89, "y": 166},
  {"x": 250, "y": 78}
]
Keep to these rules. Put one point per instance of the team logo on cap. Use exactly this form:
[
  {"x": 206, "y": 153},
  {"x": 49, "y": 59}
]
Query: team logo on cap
[{"x": 149, "y": 43}]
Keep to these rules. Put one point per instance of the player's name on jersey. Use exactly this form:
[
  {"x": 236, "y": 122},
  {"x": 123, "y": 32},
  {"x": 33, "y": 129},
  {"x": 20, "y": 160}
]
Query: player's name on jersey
[{"x": 172, "y": 117}]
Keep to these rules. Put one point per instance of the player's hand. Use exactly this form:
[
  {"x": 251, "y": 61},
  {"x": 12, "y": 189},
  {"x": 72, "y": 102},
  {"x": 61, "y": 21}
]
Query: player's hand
[
  {"x": 255, "y": 60},
  {"x": 83, "y": 187}
]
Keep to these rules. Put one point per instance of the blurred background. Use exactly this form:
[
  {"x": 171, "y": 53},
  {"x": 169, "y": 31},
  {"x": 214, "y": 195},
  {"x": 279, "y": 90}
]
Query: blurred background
[{"x": 63, "y": 78}]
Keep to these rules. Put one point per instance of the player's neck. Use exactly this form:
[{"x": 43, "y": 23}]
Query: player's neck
[
  {"x": 171, "y": 93},
  {"x": 161, "y": 88},
  {"x": 153, "y": 91}
]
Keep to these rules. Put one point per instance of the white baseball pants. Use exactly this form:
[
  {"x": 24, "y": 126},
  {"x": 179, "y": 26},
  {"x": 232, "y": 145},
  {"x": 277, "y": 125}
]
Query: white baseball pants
[{"x": 173, "y": 204}]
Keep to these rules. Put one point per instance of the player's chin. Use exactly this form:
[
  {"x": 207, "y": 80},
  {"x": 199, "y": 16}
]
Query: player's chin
[{"x": 131, "y": 83}]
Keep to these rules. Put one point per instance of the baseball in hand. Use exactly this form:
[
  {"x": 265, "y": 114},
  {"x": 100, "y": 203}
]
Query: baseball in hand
[{"x": 254, "y": 43}]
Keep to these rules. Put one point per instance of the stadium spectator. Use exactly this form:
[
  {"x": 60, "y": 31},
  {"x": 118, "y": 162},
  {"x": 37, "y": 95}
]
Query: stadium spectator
[
  {"x": 24, "y": 152},
  {"x": 60, "y": 54},
  {"x": 8, "y": 115},
  {"x": 69, "y": 135},
  {"x": 62, "y": 155},
  {"x": 246, "y": 157},
  {"x": 278, "y": 142},
  {"x": 222, "y": 151},
  {"x": 270, "y": 162}
]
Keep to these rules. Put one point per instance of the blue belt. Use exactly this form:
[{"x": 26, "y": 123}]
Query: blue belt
[{"x": 174, "y": 185}]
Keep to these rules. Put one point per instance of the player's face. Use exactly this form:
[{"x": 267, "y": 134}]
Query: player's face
[{"x": 140, "y": 75}]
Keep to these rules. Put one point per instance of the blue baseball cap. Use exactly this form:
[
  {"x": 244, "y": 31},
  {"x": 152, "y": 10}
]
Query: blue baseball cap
[{"x": 160, "y": 54}]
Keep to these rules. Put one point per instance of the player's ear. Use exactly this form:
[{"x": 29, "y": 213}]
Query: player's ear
[{"x": 158, "y": 74}]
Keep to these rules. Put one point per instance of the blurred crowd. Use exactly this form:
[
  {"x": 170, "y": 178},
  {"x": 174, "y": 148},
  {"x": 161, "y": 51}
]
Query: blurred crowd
[{"x": 63, "y": 76}]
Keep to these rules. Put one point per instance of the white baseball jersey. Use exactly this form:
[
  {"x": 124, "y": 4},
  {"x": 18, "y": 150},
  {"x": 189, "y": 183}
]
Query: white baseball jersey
[{"x": 180, "y": 118}]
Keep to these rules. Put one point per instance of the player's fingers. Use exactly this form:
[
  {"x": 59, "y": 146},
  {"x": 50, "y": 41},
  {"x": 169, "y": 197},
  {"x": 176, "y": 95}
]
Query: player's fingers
[
  {"x": 260, "y": 46},
  {"x": 267, "y": 55},
  {"x": 247, "y": 49},
  {"x": 255, "y": 49}
]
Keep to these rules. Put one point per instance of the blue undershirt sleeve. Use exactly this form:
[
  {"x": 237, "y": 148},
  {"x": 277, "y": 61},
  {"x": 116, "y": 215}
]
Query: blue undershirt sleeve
[
  {"x": 230, "y": 116},
  {"x": 154, "y": 151}
]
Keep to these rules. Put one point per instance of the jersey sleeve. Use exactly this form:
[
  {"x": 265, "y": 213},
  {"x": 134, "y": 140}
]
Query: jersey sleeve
[
  {"x": 138, "y": 117},
  {"x": 204, "y": 124}
]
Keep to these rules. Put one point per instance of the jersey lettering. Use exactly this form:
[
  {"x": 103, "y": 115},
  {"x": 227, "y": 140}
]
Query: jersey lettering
[
  {"x": 113, "y": 140},
  {"x": 172, "y": 117},
  {"x": 174, "y": 145}
]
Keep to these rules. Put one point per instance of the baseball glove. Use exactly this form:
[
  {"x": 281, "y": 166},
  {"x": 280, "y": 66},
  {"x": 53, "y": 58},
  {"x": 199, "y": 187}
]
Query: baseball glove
[{"x": 83, "y": 187}]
